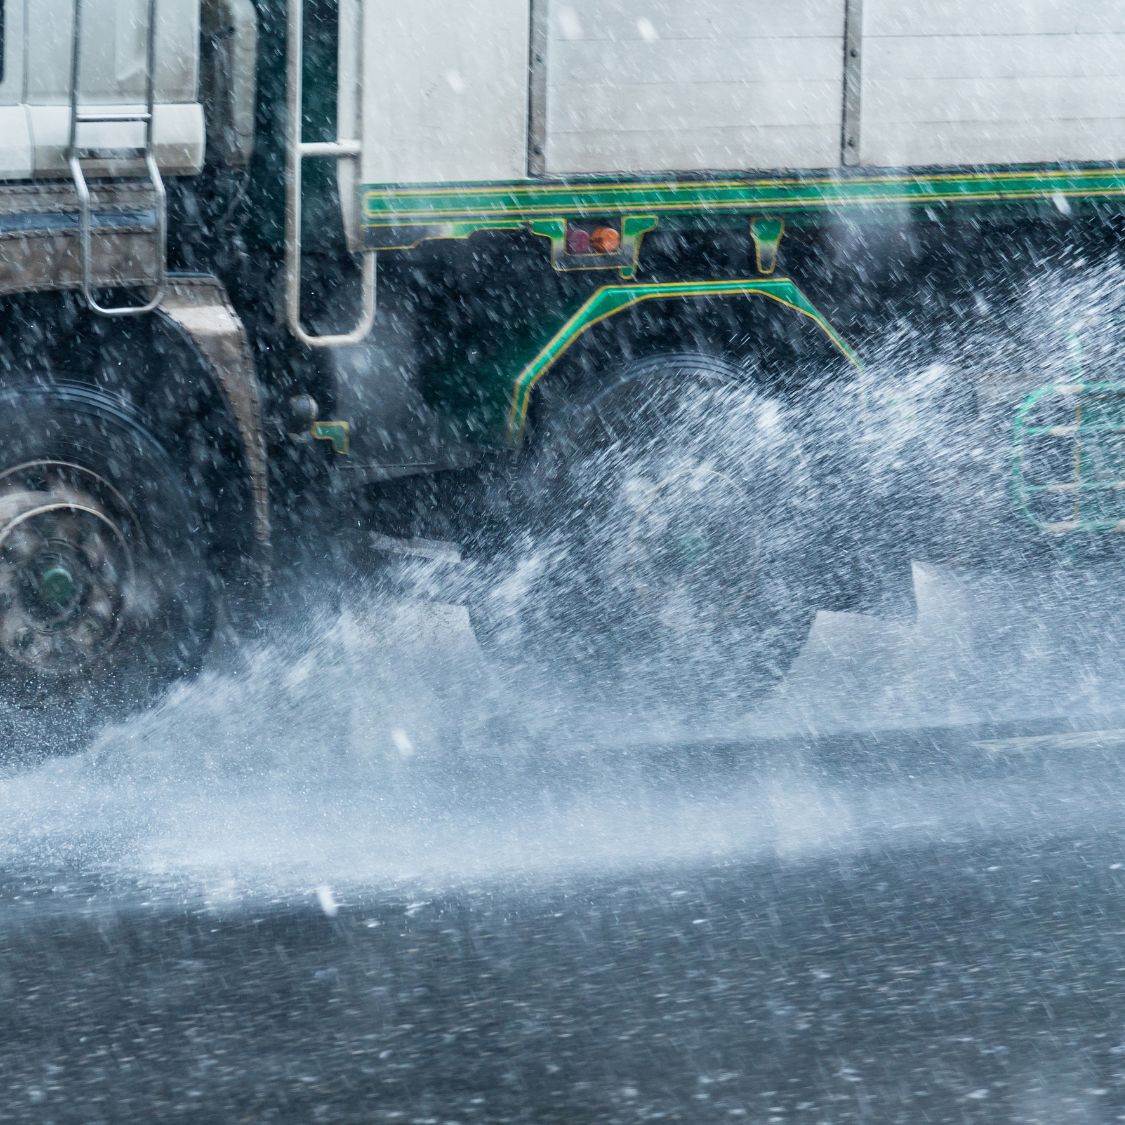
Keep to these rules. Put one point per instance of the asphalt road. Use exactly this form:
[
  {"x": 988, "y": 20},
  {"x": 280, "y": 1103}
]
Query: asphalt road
[
  {"x": 303, "y": 892},
  {"x": 942, "y": 945}
]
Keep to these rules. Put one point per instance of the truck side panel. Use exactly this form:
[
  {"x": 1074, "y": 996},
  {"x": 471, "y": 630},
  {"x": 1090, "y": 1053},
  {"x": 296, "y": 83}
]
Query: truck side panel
[
  {"x": 635, "y": 87},
  {"x": 15, "y": 138},
  {"x": 444, "y": 90},
  {"x": 1020, "y": 81},
  {"x": 640, "y": 86},
  {"x": 113, "y": 50}
]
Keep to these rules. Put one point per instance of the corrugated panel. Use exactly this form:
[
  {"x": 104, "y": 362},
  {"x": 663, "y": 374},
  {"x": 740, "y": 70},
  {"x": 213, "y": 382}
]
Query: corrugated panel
[
  {"x": 620, "y": 20},
  {"x": 992, "y": 81},
  {"x": 802, "y": 146},
  {"x": 993, "y": 17},
  {"x": 444, "y": 90},
  {"x": 662, "y": 85}
]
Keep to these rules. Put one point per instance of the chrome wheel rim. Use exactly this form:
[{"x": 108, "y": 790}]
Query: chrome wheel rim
[{"x": 67, "y": 575}]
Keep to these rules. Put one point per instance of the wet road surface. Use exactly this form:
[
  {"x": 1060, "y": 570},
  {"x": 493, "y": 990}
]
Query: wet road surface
[{"x": 941, "y": 940}]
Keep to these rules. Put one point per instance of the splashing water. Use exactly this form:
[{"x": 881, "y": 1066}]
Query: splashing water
[
  {"x": 379, "y": 747},
  {"x": 386, "y": 751}
]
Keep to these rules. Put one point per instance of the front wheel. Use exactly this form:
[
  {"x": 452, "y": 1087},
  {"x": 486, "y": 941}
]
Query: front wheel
[{"x": 105, "y": 592}]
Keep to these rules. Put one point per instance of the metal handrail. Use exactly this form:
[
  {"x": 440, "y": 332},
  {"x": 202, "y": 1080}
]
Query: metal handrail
[
  {"x": 74, "y": 160},
  {"x": 298, "y": 152}
]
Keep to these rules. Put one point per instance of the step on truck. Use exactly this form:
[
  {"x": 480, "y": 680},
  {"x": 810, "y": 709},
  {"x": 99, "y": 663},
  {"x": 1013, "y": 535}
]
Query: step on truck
[{"x": 618, "y": 295}]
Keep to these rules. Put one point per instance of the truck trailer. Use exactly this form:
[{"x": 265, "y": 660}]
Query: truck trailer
[{"x": 590, "y": 288}]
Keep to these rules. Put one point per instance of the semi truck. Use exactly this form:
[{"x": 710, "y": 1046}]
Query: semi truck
[{"x": 609, "y": 293}]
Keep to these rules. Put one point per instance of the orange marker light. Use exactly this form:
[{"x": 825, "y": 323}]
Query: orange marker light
[{"x": 605, "y": 240}]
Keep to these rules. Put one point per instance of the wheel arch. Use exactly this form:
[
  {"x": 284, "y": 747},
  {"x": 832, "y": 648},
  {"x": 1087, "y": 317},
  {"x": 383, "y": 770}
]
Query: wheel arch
[
  {"x": 198, "y": 314},
  {"x": 629, "y": 322},
  {"x": 593, "y": 342}
]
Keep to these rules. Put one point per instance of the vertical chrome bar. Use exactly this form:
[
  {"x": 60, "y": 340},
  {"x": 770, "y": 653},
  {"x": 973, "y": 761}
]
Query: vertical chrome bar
[
  {"x": 150, "y": 75},
  {"x": 159, "y": 194},
  {"x": 537, "y": 88},
  {"x": 853, "y": 83},
  {"x": 296, "y": 152},
  {"x": 295, "y": 94},
  {"x": 75, "y": 47},
  {"x": 81, "y": 188}
]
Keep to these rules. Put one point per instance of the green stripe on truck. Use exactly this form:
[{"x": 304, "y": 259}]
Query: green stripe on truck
[{"x": 459, "y": 209}]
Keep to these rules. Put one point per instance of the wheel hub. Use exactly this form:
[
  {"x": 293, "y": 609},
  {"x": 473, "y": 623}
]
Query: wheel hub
[
  {"x": 65, "y": 569},
  {"x": 684, "y": 537},
  {"x": 57, "y": 587}
]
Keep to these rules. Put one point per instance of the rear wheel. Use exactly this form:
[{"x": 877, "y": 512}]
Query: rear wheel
[
  {"x": 105, "y": 592},
  {"x": 664, "y": 552}
]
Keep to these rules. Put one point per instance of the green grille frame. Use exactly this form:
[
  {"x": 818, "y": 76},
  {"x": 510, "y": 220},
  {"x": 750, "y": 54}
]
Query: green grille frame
[{"x": 1091, "y": 445}]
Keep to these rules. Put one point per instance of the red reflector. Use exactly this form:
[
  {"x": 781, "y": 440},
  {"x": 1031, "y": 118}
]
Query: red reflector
[{"x": 577, "y": 240}]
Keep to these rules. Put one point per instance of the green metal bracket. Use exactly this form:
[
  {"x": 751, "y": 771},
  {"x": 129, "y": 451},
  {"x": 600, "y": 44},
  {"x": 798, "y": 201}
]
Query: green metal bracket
[
  {"x": 411, "y": 237},
  {"x": 338, "y": 433},
  {"x": 766, "y": 232},
  {"x": 624, "y": 259}
]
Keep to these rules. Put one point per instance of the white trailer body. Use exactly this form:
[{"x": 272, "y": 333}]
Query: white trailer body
[{"x": 499, "y": 89}]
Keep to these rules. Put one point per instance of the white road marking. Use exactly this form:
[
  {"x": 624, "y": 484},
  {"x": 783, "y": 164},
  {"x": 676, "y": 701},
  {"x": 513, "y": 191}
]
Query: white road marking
[{"x": 1072, "y": 740}]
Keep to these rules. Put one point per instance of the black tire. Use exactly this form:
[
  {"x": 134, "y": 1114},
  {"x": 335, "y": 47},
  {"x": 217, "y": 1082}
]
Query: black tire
[
  {"x": 106, "y": 595},
  {"x": 662, "y": 543}
]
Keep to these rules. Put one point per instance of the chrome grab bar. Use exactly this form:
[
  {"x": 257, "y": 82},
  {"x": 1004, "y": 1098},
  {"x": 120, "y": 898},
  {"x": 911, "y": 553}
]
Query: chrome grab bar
[
  {"x": 74, "y": 155},
  {"x": 298, "y": 151}
]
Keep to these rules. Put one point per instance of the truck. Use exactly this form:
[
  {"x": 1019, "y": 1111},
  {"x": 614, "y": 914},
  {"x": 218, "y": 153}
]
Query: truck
[{"x": 615, "y": 295}]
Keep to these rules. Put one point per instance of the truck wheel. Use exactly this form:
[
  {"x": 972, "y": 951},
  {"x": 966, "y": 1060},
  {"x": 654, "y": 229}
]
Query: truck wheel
[
  {"x": 105, "y": 597},
  {"x": 663, "y": 556}
]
